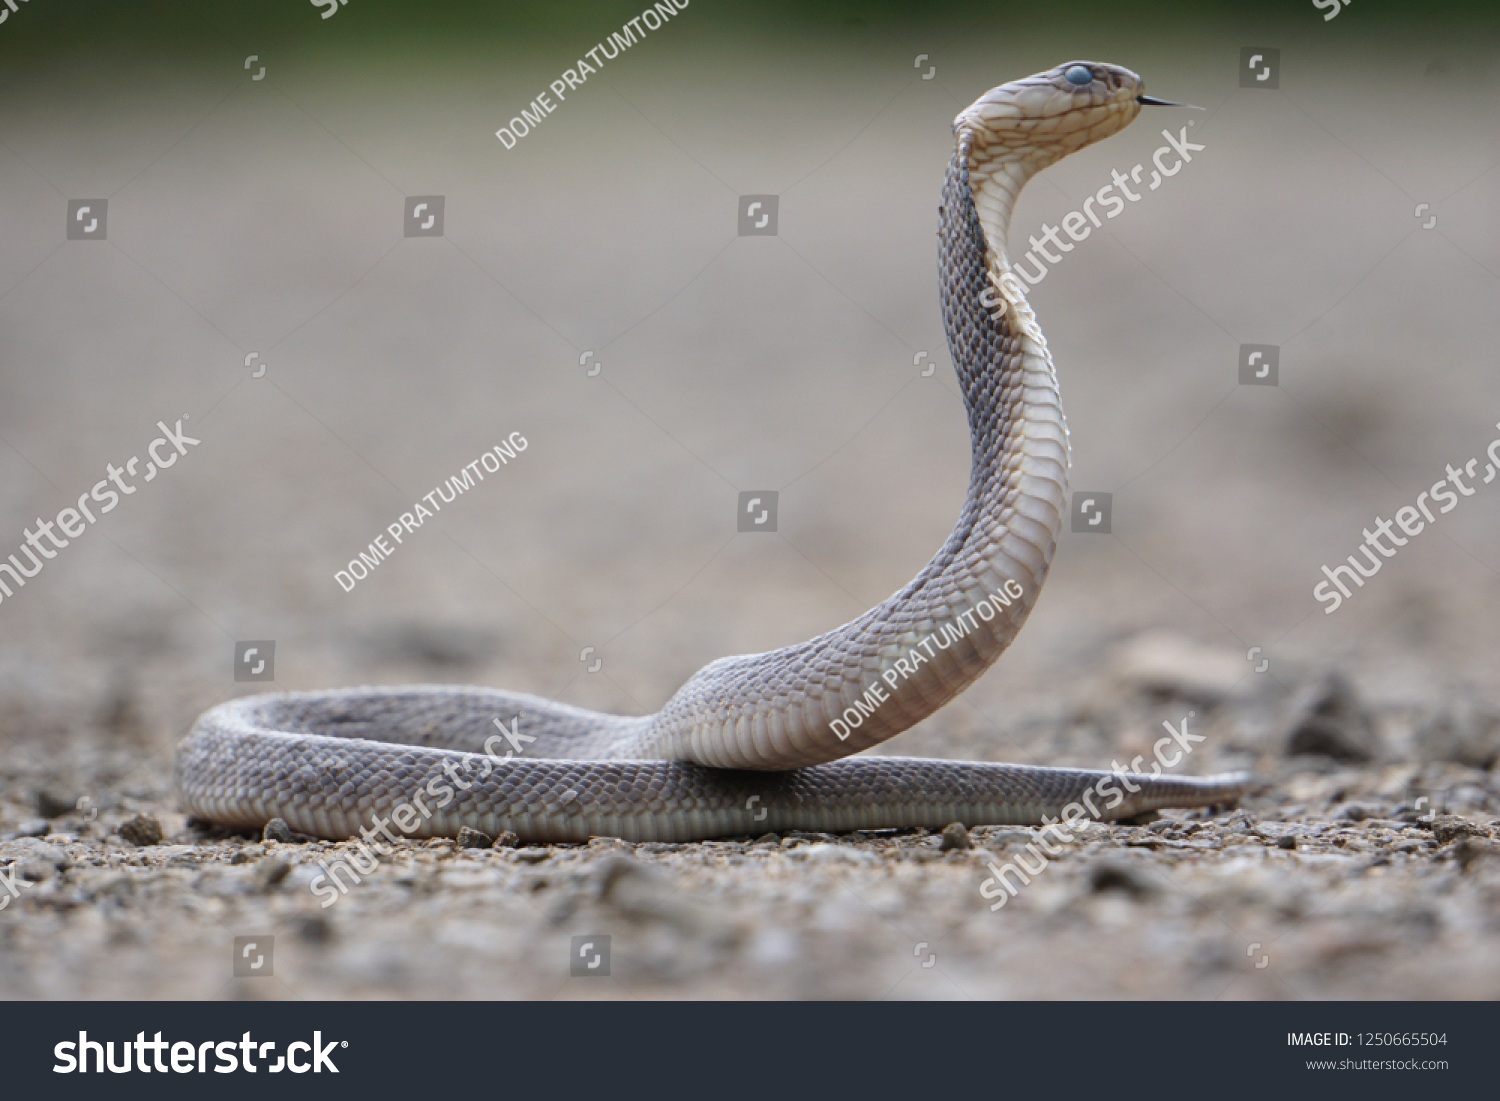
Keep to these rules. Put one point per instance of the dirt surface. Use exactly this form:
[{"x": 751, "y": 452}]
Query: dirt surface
[
  {"x": 266, "y": 217},
  {"x": 1324, "y": 897}
]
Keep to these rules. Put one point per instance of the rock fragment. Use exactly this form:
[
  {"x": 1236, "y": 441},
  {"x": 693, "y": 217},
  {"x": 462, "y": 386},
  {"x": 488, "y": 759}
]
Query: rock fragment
[
  {"x": 53, "y": 803},
  {"x": 955, "y": 837},
  {"x": 1450, "y": 827},
  {"x": 314, "y": 928},
  {"x": 269, "y": 873},
  {"x": 469, "y": 838},
  {"x": 1327, "y": 719},
  {"x": 1471, "y": 850},
  {"x": 1117, "y": 875},
  {"x": 142, "y": 830},
  {"x": 1466, "y": 730}
]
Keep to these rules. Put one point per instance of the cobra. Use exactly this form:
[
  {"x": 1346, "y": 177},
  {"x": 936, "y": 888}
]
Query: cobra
[{"x": 751, "y": 743}]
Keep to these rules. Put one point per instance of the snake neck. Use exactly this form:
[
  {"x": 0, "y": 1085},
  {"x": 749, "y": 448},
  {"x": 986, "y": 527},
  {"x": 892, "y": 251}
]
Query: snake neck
[
  {"x": 999, "y": 352},
  {"x": 908, "y": 656}
]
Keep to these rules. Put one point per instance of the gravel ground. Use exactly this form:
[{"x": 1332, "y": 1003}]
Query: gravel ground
[{"x": 1336, "y": 881}]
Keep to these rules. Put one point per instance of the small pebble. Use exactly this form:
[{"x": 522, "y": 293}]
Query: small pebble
[
  {"x": 33, "y": 827},
  {"x": 314, "y": 928},
  {"x": 1472, "y": 849},
  {"x": 51, "y": 803},
  {"x": 614, "y": 870},
  {"x": 43, "y": 862},
  {"x": 1330, "y": 721},
  {"x": 469, "y": 838},
  {"x": 507, "y": 840},
  {"x": 1115, "y": 875},
  {"x": 1287, "y": 841},
  {"x": 955, "y": 837},
  {"x": 277, "y": 830},
  {"x": 1450, "y": 827},
  {"x": 272, "y": 871},
  {"x": 768, "y": 839},
  {"x": 141, "y": 830}
]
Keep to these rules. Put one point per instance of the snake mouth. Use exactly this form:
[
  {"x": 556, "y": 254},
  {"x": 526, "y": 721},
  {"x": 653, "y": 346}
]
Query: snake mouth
[{"x": 1152, "y": 101}]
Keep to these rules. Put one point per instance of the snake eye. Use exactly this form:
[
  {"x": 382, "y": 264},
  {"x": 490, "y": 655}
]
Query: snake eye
[{"x": 1079, "y": 75}]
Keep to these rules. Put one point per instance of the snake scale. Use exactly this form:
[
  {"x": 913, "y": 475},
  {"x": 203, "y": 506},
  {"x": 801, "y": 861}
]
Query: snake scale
[{"x": 758, "y": 742}]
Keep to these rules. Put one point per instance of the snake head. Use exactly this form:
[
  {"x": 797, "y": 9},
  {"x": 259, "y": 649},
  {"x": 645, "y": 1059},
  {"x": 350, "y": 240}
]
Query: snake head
[
  {"x": 1040, "y": 119},
  {"x": 1012, "y": 132}
]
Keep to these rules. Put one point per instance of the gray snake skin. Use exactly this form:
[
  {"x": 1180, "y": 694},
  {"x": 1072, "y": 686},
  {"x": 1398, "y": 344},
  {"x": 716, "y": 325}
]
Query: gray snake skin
[{"x": 753, "y": 743}]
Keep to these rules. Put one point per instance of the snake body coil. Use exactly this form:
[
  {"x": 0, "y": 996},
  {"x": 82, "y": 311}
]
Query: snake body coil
[{"x": 752, "y": 743}]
